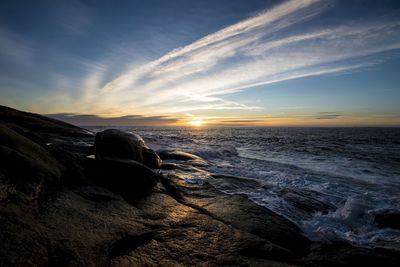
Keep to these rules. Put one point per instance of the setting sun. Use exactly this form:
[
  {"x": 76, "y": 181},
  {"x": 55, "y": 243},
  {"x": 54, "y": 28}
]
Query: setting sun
[{"x": 196, "y": 123}]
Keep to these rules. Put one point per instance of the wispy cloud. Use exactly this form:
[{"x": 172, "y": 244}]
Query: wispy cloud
[
  {"x": 270, "y": 47},
  {"x": 328, "y": 115},
  {"x": 129, "y": 120}
]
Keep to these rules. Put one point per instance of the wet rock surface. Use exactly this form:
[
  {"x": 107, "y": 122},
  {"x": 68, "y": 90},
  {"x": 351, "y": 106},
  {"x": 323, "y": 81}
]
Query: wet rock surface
[
  {"x": 64, "y": 209},
  {"x": 182, "y": 156},
  {"x": 306, "y": 201}
]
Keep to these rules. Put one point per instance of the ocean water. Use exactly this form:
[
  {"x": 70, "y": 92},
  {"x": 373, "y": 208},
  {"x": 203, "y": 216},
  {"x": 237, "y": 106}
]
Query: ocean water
[{"x": 353, "y": 171}]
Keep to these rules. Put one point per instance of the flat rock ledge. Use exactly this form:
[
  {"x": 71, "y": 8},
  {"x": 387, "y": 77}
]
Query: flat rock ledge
[{"x": 56, "y": 212}]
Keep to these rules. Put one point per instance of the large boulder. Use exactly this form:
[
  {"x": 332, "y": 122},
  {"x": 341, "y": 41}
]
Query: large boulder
[
  {"x": 123, "y": 163},
  {"x": 117, "y": 144}
]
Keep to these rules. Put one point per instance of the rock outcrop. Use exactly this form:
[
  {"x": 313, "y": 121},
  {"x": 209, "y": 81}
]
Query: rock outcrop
[{"x": 39, "y": 127}]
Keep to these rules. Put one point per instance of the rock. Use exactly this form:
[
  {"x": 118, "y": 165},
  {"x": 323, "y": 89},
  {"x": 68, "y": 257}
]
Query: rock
[
  {"x": 127, "y": 177},
  {"x": 150, "y": 158},
  {"x": 113, "y": 143},
  {"x": 192, "y": 237},
  {"x": 155, "y": 230},
  {"x": 177, "y": 155},
  {"x": 240, "y": 212},
  {"x": 124, "y": 157},
  {"x": 23, "y": 238},
  {"x": 34, "y": 124},
  {"x": 306, "y": 201},
  {"x": 55, "y": 140},
  {"x": 27, "y": 166},
  {"x": 343, "y": 254},
  {"x": 129, "y": 243},
  {"x": 183, "y": 156},
  {"x": 168, "y": 166},
  {"x": 388, "y": 219}
]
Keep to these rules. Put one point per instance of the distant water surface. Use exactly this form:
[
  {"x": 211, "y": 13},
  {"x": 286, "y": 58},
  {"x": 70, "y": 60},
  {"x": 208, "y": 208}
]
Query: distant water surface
[{"x": 354, "y": 170}]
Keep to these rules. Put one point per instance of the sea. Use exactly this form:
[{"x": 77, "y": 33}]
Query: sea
[{"x": 354, "y": 171}]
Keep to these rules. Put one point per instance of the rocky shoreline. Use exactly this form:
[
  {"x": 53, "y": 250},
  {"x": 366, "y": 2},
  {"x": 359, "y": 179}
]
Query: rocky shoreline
[{"x": 62, "y": 206}]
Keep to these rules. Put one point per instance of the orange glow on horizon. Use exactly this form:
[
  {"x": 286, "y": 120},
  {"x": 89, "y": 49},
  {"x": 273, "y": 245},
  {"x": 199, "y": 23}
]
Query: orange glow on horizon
[
  {"x": 196, "y": 123},
  {"x": 345, "y": 121}
]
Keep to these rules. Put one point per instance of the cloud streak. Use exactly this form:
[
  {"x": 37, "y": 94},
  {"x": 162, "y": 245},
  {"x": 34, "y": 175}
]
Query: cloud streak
[
  {"x": 328, "y": 115},
  {"x": 276, "y": 45},
  {"x": 128, "y": 120}
]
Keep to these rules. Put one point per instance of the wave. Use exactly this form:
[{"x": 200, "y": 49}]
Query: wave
[{"x": 354, "y": 222}]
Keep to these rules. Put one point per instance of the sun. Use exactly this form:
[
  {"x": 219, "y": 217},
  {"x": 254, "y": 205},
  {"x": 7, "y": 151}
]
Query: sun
[{"x": 196, "y": 123}]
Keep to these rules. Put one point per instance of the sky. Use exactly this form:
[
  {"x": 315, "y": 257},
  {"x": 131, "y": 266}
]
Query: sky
[{"x": 203, "y": 63}]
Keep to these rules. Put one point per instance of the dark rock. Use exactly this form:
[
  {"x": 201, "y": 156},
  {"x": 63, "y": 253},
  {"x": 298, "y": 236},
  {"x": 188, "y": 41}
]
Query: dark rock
[
  {"x": 74, "y": 163},
  {"x": 33, "y": 124},
  {"x": 128, "y": 243},
  {"x": 96, "y": 194},
  {"x": 118, "y": 144},
  {"x": 240, "y": 212},
  {"x": 168, "y": 166},
  {"x": 344, "y": 254},
  {"x": 23, "y": 238},
  {"x": 183, "y": 156},
  {"x": 123, "y": 161},
  {"x": 150, "y": 158},
  {"x": 51, "y": 142},
  {"x": 388, "y": 219},
  {"x": 127, "y": 177},
  {"x": 27, "y": 166},
  {"x": 306, "y": 201},
  {"x": 113, "y": 143},
  {"x": 177, "y": 155}
]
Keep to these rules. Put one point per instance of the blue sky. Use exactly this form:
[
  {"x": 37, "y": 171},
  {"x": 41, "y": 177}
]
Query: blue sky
[{"x": 247, "y": 62}]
